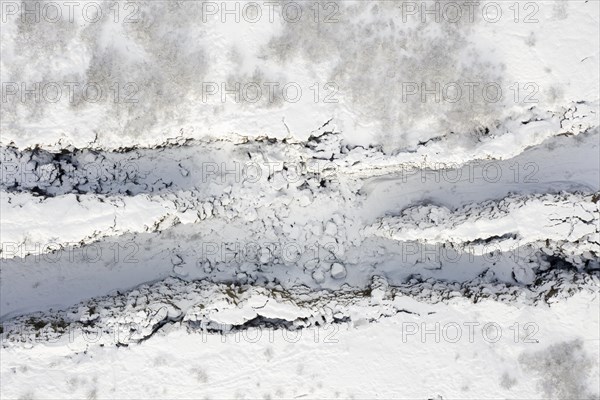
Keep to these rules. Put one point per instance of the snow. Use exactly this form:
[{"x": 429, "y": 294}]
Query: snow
[
  {"x": 338, "y": 271},
  {"x": 362, "y": 240},
  {"x": 480, "y": 346},
  {"x": 171, "y": 59}
]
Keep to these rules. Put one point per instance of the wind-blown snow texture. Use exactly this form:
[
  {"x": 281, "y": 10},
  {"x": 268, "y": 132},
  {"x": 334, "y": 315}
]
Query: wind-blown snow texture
[{"x": 318, "y": 199}]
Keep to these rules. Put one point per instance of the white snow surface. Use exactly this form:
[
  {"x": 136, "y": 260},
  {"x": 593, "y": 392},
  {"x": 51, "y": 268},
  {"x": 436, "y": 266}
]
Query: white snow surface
[
  {"x": 369, "y": 52},
  {"x": 356, "y": 241}
]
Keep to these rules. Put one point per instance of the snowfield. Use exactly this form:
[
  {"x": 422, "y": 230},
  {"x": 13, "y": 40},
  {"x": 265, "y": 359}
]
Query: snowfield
[
  {"x": 141, "y": 342},
  {"x": 291, "y": 199}
]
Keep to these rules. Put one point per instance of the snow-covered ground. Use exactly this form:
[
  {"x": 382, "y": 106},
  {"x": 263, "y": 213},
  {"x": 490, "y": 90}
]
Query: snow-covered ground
[{"x": 329, "y": 199}]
